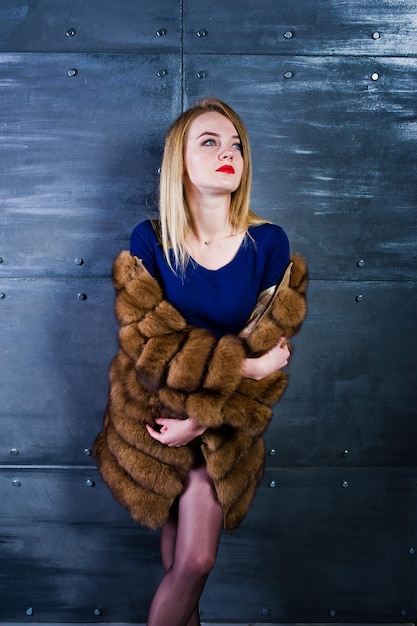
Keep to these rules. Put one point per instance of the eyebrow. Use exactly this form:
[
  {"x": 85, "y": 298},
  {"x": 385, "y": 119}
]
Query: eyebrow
[{"x": 213, "y": 134}]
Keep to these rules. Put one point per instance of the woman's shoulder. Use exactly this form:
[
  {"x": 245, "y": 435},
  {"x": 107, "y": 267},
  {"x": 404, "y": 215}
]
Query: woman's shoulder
[
  {"x": 267, "y": 233},
  {"x": 147, "y": 229},
  {"x": 144, "y": 240}
]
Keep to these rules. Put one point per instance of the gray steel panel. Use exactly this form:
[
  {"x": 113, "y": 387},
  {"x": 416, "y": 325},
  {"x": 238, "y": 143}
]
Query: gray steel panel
[
  {"x": 314, "y": 550},
  {"x": 352, "y": 396},
  {"x": 335, "y": 159},
  {"x": 93, "y": 26},
  {"x": 80, "y": 156},
  {"x": 300, "y": 27},
  {"x": 310, "y": 544},
  {"x": 69, "y": 549},
  {"x": 56, "y": 351}
]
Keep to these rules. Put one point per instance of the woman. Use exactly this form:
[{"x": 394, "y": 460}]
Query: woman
[{"x": 204, "y": 396}]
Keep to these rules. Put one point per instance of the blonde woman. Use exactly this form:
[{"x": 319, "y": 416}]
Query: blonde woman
[{"x": 182, "y": 447}]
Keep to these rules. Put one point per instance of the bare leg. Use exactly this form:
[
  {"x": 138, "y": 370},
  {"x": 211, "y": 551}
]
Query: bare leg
[{"x": 197, "y": 538}]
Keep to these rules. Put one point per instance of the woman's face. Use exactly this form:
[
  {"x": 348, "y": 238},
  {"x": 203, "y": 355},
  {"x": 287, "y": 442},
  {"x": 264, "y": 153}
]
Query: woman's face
[{"x": 213, "y": 161}]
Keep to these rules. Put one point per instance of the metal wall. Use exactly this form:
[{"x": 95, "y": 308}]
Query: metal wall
[{"x": 328, "y": 92}]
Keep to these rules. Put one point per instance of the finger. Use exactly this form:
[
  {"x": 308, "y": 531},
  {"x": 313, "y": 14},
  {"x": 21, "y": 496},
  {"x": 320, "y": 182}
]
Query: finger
[
  {"x": 153, "y": 433},
  {"x": 163, "y": 422}
]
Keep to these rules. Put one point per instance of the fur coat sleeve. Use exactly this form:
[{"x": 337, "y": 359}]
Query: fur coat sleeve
[{"x": 166, "y": 367}]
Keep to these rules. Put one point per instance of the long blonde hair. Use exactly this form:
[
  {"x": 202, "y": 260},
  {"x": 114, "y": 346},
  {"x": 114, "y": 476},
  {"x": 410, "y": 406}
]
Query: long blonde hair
[{"x": 174, "y": 214}]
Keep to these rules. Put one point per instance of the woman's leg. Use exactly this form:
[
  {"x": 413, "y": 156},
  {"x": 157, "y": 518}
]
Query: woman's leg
[
  {"x": 168, "y": 541},
  {"x": 197, "y": 538}
]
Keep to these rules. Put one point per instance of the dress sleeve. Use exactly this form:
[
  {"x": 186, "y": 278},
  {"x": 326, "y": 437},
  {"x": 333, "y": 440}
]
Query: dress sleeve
[
  {"x": 277, "y": 256},
  {"x": 142, "y": 244}
]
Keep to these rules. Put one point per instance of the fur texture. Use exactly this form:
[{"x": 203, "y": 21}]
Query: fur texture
[{"x": 165, "y": 367}]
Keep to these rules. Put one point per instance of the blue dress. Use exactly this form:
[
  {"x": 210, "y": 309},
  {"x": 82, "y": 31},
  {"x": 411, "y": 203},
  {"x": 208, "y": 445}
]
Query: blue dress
[{"x": 219, "y": 300}]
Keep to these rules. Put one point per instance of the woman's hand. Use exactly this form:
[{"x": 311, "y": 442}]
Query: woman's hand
[
  {"x": 268, "y": 363},
  {"x": 175, "y": 433}
]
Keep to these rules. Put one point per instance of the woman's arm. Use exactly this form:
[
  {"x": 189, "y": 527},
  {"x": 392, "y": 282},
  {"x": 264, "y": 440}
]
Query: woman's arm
[
  {"x": 175, "y": 433},
  {"x": 268, "y": 363}
]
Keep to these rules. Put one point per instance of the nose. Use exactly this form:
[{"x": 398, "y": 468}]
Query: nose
[{"x": 226, "y": 154}]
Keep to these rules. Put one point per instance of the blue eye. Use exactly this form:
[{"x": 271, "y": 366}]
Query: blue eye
[
  {"x": 237, "y": 146},
  {"x": 209, "y": 142}
]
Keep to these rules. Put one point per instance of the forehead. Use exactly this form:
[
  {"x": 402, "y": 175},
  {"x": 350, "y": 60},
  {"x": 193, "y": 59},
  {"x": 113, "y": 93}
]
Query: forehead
[{"x": 211, "y": 122}]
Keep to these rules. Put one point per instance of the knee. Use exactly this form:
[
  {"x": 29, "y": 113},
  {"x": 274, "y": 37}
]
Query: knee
[
  {"x": 198, "y": 565},
  {"x": 200, "y": 523},
  {"x": 204, "y": 562}
]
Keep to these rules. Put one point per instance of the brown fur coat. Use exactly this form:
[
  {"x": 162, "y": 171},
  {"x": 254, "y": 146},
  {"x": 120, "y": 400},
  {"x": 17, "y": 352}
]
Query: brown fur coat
[{"x": 165, "y": 367}]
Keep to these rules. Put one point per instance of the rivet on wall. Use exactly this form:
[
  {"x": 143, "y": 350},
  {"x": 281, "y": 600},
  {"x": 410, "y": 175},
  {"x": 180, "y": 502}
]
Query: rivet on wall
[
  {"x": 272, "y": 452},
  {"x": 82, "y": 296},
  {"x": 70, "y": 32},
  {"x": 403, "y": 612},
  {"x": 288, "y": 75},
  {"x": 161, "y": 73},
  {"x": 89, "y": 482},
  {"x": 2, "y": 295},
  {"x": 359, "y": 297},
  {"x": 376, "y": 35},
  {"x": 161, "y": 32},
  {"x": 360, "y": 263},
  {"x": 411, "y": 551},
  {"x": 288, "y": 34},
  {"x": 345, "y": 484},
  {"x": 1, "y": 260},
  {"x": 345, "y": 453},
  {"x": 375, "y": 76},
  {"x": 16, "y": 482},
  {"x": 87, "y": 451},
  {"x": 72, "y": 72},
  {"x": 14, "y": 452},
  {"x": 201, "y": 74},
  {"x": 264, "y": 612},
  {"x": 97, "y": 611},
  {"x": 272, "y": 484},
  {"x": 201, "y": 33},
  {"x": 79, "y": 261},
  {"x": 332, "y": 613},
  {"x": 29, "y": 611}
]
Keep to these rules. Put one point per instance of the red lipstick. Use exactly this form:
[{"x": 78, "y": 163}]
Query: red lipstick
[{"x": 228, "y": 169}]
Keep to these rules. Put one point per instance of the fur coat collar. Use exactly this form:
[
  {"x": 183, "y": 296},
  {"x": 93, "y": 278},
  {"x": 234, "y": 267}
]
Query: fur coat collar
[{"x": 165, "y": 366}]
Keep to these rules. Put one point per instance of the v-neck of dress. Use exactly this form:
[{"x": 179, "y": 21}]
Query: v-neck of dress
[{"x": 224, "y": 268}]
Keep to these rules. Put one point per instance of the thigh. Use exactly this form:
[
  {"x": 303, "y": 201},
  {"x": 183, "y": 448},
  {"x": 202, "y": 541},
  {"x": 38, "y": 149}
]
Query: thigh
[{"x": 200, "y": 519}]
